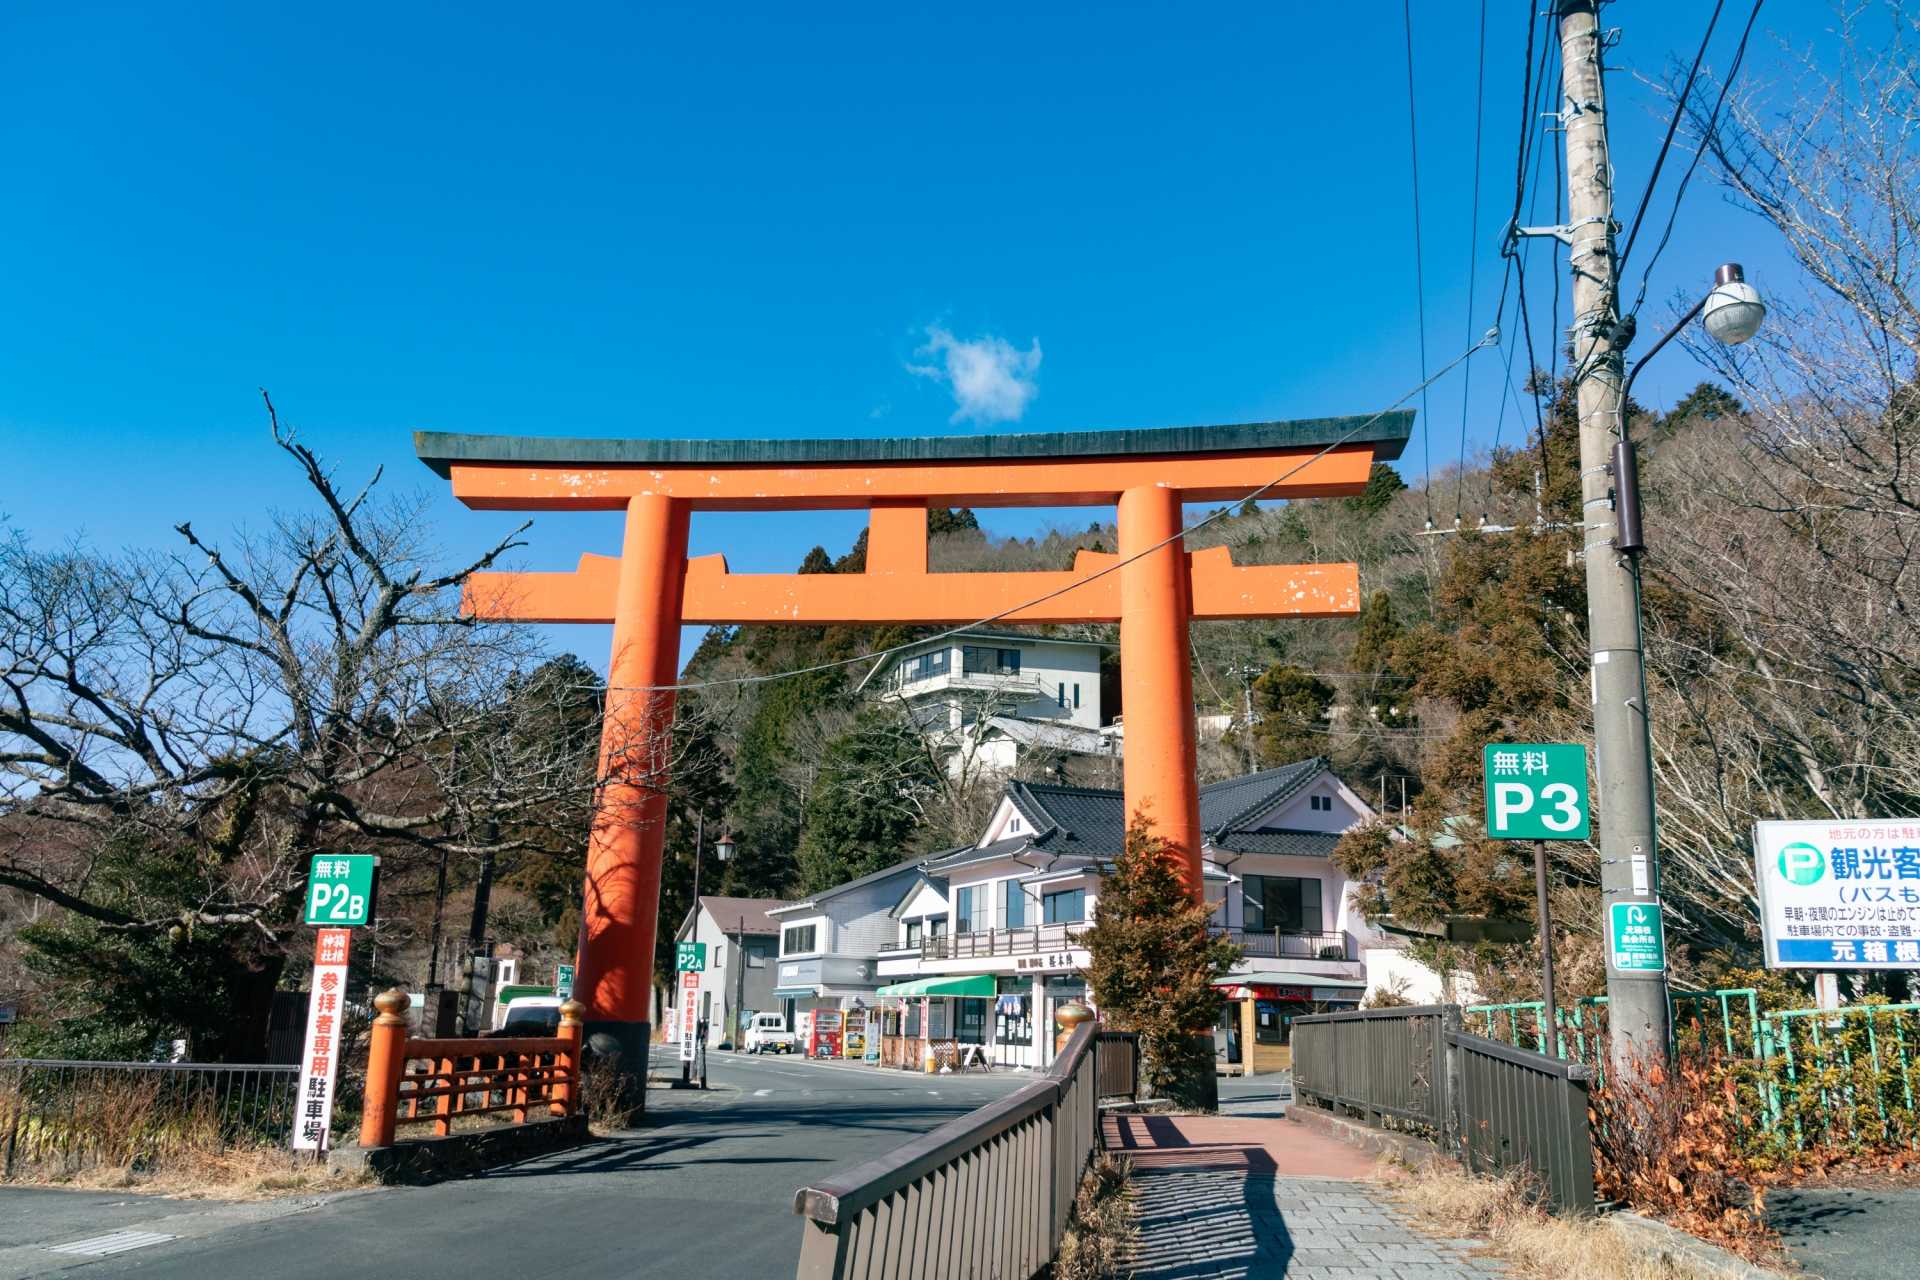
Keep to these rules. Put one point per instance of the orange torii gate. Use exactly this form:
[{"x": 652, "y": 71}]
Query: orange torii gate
[{"x": 651, "y": 589}]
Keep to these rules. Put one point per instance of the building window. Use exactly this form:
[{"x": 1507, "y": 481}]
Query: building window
[
  {"x": 937, "y": 927},
  {"x": 1076, "y": 695},
  {"x": 970, "y": 1021},
  {"x": 1322, "y": 803},
  {"x": 913, "y": 933},
  {"x": 922, "y": 667},
  {"x": 1062, "y": 697},
  {"x": 990, "y": 662},
  {"x": 799, "y": 939},
  {"x": 1064, "y": 906},
  {"x": 1288, "y": 903},
  {"x": 963, "y": 909},
  {"x": 1013, "y": 905}
]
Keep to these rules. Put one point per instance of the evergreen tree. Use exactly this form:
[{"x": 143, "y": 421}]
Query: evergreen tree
[
  {"x": 1290, "y": 714},
  {"x": 1152, "y": 964},
  {"x": 864, "y": 810}
]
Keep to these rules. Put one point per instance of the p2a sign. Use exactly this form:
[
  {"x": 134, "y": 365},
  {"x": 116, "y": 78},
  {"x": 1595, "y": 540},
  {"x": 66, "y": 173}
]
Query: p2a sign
[{"x": 1537, "y": 791}]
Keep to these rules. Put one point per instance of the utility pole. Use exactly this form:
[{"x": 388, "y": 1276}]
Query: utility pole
[{"x": 1629, "y": 868}]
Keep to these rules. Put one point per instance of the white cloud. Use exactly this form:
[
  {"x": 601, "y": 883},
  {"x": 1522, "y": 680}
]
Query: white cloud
[{"x": 991, "y": 379}]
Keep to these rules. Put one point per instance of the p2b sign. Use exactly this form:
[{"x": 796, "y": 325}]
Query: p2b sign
[
  {"x": 340, "y": 889},
  {"x": 1537, "y": 791}
]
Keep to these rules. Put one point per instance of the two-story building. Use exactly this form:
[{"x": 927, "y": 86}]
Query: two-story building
[
  {"x": 986, "y": 947},
  {"x": 741, "y": 939},
  {"x": 831, "y": 942}
]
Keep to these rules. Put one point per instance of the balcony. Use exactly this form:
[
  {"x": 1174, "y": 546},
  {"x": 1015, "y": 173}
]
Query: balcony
[
  {"x": 1032, "y": 940},
  {"x": 1279, "y": 944}
]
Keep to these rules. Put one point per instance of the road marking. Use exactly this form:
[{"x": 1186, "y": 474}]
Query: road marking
[
  {"x": 933, "y": 1093},
  {"x": 762, "y": 1093},
  {"x": 111, "y": 1243}
]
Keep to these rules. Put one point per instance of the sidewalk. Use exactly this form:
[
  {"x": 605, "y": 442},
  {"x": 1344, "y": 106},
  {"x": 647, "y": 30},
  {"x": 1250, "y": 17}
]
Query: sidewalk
[{"x": 1219, "y": 1197}]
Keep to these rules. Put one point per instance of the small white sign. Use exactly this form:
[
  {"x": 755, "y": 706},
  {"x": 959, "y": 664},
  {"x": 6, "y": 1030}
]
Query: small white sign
[
  {"x": 320, "y": 1056},
  {"x": 1839, "y": 894}
]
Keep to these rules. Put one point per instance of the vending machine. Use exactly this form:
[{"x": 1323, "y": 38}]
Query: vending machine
[{"x": 820, "y": 1033}]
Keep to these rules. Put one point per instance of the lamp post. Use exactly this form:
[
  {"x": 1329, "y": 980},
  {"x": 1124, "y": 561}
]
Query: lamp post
[{"x": 1629, "y": 861}]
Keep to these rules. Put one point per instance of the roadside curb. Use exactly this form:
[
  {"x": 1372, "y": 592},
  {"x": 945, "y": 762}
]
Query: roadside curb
[{"x": 1673, "y": 1241}]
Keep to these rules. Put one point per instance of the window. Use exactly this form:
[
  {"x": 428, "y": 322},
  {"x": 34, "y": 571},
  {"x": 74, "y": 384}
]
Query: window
[
  {"x": 1076, "y": 695},
  {"x": 1062, "y": 697},
  {"x": 1322, "y": 803},
  {"x": 1013, "y": 905},
  {"x": 990, "y": 662},
  {"x": 970, "y": 1021},
  {"x": 913, "y": 933},
  {"x": 922, "y": 667},
  {"x": 1287, "y": 903},
  {"x": 1064, "y": 906},
  {"x": 963, "y": 907},
  {"x": 937, "y": 927},
  {"x": 801, "y": 938}
]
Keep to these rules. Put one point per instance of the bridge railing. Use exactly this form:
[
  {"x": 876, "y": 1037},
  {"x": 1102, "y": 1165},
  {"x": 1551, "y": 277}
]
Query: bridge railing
[
  {"x": 987, "y": 1194},
  {"x": 1116, "y": 1064},
  {"x": 436, "y": 1081},
  {"x": 1495, "y": 1107}
]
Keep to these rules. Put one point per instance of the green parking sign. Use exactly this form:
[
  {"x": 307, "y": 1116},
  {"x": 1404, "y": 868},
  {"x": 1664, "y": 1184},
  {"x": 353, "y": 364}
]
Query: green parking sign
[
  {"x": 340, "y": 889},
  {"x": 690, "y": 957},
  {"x": 1636, "y": 938},
  {"x": 1537, "y": 791}
]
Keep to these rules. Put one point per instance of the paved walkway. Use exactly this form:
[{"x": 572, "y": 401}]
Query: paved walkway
[{"x": 1228, "y": 1198}]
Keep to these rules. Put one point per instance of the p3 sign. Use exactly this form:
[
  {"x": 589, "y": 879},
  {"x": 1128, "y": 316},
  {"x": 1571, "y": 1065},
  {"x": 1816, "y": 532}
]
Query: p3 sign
[
  {"x": 340, "y": 889},
  {"x": 1537, "y": 791}
]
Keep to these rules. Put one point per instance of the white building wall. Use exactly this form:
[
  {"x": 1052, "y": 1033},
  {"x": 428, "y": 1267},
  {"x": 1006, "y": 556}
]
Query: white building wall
[{"x": 1392, "y": 969}]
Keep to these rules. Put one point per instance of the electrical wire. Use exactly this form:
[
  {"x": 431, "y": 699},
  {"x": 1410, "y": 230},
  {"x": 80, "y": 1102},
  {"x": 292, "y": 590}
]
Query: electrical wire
[
  {"x": 1473, "y": 259},
  {"x": 1666, "y": 143},
  {"x": 1706, "y": 137},
  {"x": 1419, "y": 267},
  {"x": 1490, "y": 338}
]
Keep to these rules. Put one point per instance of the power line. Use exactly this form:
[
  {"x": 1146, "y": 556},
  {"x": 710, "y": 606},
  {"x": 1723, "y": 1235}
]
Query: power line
[
  {"x": 1706, "y": 137},
  {"x": 1490, "y": 338},
  {"x": 1419, "y": 268},
  {"x": 1473, "y": 257},
  {"x": 1666, "y": 143}
]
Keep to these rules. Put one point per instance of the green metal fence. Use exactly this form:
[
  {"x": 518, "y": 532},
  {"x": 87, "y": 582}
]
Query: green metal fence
[{"x": 1845, "y": 1076}]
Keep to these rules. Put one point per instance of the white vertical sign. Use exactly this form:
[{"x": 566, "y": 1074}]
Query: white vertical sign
[
  {"x": 320, "y": 1056},
  {"x": 689, "y": 1015}
]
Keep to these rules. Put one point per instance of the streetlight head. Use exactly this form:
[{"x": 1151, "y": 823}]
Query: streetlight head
[
  {"x": 723, "y": 848},
  {"x": 1734, "y": 310}
]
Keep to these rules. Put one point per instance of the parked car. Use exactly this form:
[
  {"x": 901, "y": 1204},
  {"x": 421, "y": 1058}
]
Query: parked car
[
  {"x": 768, "y": 1033},
  {"x": 530, "y": 1016}
]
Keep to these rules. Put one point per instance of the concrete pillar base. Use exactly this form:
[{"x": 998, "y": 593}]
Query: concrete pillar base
[{"x": 622, "y": 1047}]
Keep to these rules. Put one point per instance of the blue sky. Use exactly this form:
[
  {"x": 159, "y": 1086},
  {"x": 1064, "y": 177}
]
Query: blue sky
[{"x": 747, "y": 221}]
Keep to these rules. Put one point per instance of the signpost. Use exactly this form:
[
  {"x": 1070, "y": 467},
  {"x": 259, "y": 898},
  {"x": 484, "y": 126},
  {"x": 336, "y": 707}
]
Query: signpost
[
  {"x": 1636, "y": 937},
  {"x": 1538, "y": 792},
  {"x": 320, "y": 1055},
  {"x": 1839, "y": 894},
  {"x": 689, "y": 1026},
  {"x": 690, "y": 957},
  {"x": 563, "y": 981},
  {"x": 340, "y": 889}
]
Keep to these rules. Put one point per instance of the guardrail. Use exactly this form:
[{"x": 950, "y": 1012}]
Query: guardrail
[
  {"x": 1379, "y": 1062},
  {"x": 528, "y": 1075},
  {"x": 1116, "y": 1064},
  {"x": 1520, "y": 1110},
  {"x": 985, "y": 1195},
  {"x": 1495, "y": 1107},
  {"x": 75, "y": 1113}
]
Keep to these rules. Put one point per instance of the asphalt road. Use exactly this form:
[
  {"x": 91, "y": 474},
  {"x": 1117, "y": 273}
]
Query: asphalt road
[
  {"x": 704, "y": 1189},
  {"x": 1843, "y": 1234}
]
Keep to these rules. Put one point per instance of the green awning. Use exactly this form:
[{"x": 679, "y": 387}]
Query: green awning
[{"x": 978, "y": 985}]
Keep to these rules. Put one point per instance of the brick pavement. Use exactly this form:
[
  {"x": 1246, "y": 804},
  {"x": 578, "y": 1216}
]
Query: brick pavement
[{"x": 1221, "y": 1198}]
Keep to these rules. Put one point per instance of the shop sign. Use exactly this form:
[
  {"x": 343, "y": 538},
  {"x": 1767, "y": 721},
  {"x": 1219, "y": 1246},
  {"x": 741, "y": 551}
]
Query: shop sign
[{"x": 1053, "y": 962}]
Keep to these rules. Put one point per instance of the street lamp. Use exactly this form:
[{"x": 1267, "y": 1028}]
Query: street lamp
[
  {"x": 1733, "y": 312},
  {"x": 723, "y": 848}
]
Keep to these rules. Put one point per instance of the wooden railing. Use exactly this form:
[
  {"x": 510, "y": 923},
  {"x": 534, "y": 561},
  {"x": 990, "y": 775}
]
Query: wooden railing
[
  {"x": 435, "y": 1081},
  {"x": 1496, "y": 1108},
  {"x": 986, "y": 1195}
]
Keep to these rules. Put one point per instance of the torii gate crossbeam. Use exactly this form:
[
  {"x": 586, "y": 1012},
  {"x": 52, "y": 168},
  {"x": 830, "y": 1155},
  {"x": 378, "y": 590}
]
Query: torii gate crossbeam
[{"x": 651, "y": 589}]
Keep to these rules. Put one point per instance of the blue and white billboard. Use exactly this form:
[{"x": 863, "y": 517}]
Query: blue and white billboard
[{"x": 1839, "y": 895}]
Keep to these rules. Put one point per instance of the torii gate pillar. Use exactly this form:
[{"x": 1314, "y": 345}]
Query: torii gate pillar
[{"x": 1160, "y": 768}]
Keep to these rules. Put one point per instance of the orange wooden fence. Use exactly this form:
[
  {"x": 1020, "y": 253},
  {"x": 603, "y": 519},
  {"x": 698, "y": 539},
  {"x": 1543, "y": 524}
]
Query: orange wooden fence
[{"x": 413, "y": 1081}]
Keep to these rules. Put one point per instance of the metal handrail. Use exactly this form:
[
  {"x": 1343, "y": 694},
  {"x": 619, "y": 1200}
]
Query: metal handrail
[{"x": 837, "y": 1198}]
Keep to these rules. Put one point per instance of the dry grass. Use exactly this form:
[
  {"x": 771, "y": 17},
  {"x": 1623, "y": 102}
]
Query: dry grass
[
  {"x": 1536, "y": 1243},
  {"x": 1100, "y": 1232},
  {"x": 238, "y": 1173}
]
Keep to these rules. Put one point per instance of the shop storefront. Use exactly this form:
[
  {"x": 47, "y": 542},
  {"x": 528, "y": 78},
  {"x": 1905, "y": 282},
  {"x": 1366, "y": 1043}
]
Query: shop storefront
[
  {"x": 1255, "y": 1032},
  {"x": 948, "y": 1018}
]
